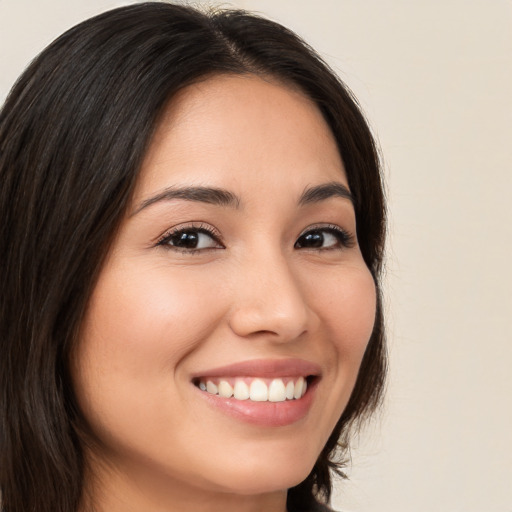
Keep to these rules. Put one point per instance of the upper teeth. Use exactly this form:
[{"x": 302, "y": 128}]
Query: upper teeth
[{"x": 257, "y": 390}]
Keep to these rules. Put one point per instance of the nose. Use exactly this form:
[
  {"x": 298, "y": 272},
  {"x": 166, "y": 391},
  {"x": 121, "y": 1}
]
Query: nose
[{"x": 269, "y": 301}]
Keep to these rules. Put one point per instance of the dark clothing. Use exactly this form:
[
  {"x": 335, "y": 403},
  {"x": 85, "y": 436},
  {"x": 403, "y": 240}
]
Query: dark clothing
[{"x": 317, "y": 508}]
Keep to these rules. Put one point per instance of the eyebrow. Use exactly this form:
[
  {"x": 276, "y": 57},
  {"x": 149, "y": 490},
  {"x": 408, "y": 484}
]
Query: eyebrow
[
  {"x": 210, "y": 195},
  {"x": 222, "y": 197},
  {"x": 325, "y": 191}
]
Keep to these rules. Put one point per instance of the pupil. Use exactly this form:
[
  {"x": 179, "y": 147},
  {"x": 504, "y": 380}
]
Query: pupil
[
  {"x": 314, "y": 239},
  {"x": 188, "y": 240}
]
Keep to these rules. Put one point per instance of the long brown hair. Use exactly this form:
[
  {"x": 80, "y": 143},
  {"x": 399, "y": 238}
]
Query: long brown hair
[{"x": 73, "y": 133}]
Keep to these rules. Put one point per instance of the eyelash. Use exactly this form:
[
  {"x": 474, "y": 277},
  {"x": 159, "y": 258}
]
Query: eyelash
[
  {"x": 205, "y": 229},
  {"x": 343, "y": 237}
]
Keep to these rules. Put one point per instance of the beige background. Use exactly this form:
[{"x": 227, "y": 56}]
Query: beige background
[{"x": 435, "y": 79}]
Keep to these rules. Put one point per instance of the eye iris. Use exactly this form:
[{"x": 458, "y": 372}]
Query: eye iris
[
  {"x": 187, "y": 239},
  {"x": 313, "y": 239}
]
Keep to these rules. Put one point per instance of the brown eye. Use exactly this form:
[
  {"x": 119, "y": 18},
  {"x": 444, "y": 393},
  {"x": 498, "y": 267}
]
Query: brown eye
[
  {"x": 324, "y": 238},
  {"x": 191, "y": 239}
]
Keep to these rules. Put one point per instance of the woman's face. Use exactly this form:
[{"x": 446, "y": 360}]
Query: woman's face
[{"x": 236, "y": 269}]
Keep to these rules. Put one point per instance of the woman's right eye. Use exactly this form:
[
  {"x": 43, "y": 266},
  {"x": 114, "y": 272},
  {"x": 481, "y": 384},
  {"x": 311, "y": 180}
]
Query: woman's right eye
[{"x": 191, "y": 239}]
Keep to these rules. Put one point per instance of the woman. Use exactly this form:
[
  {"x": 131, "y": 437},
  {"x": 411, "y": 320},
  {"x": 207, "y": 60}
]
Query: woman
[{"x": 191, "y": 243}]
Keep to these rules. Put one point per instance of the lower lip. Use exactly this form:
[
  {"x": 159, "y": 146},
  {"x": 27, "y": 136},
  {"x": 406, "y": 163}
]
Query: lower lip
[{"x": 265, "y": 414}]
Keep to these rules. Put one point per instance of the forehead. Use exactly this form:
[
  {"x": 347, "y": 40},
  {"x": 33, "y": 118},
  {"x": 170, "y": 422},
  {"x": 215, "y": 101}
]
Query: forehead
[{"x": 241, "y": 131}]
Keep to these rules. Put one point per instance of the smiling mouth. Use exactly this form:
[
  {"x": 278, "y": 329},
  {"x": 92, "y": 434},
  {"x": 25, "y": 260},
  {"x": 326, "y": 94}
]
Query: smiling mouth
[
  {"x": 267, "y": 393},
  {"x": 255, "y": 389}
]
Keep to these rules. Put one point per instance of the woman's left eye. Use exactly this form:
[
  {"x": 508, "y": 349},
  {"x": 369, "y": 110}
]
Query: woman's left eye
[{"x": 331, "y": 237}]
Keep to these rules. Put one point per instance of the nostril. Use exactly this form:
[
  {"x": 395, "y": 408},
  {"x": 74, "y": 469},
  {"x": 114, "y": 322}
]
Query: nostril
[{"x": 277, "y": 312}]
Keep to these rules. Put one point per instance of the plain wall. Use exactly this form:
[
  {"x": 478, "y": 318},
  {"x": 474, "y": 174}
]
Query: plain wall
[{"x": 435, "y": 80}]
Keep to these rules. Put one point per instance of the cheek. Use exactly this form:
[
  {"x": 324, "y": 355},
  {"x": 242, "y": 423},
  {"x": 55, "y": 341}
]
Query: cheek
[
  {"x": 347, "y": 305},
  {"x": 356, "y": 314},
  {"x": 346, "y": 308},
  {"x": 149, "y": 311},
  {"x": 140, "y": 324}
]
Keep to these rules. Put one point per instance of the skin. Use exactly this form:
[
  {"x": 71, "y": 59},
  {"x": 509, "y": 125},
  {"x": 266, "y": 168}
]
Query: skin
[{"x": 159, "y": 315}]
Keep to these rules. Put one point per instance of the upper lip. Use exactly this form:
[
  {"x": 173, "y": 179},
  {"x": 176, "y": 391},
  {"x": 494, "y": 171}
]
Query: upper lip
[{"x": 269, "y": 368}]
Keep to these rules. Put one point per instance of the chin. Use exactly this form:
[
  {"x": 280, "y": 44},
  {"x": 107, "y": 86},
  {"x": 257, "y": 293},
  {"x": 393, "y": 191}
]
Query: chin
[
  {"x": 264, "y": 482},
  {"x": 266, "y": 474}
]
